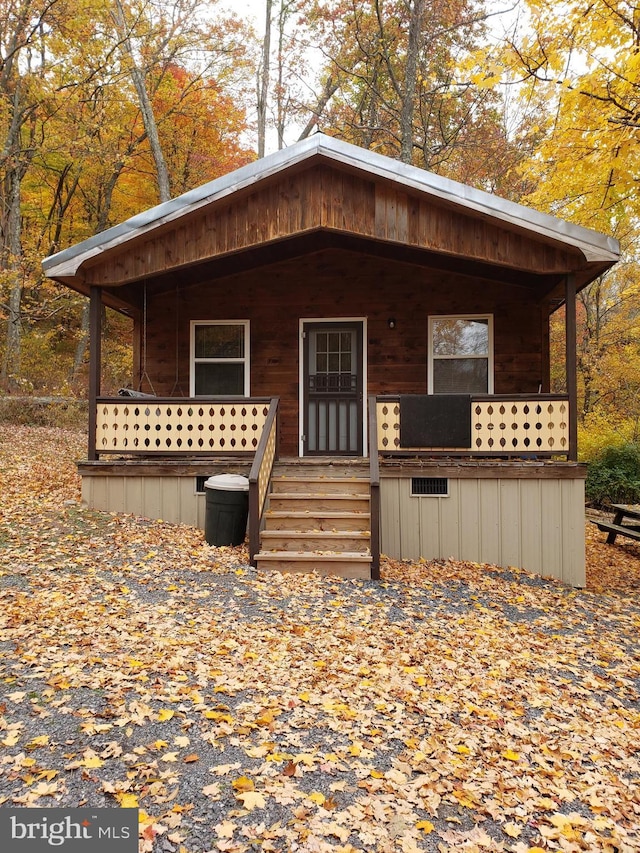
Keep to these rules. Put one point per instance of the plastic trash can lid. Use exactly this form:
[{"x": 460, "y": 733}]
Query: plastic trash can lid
[{"x": 228, "y": 483}]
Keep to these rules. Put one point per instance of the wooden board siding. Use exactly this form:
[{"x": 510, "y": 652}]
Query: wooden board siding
[
  {"x": 324, "y": 197},
  {"x": 530, "y": 523},
  {"x": 164, "y": 491},
  {"x": 337, "y": 283}
]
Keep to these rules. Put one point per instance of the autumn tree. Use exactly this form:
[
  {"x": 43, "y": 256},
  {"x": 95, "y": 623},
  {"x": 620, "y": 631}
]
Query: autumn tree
[
  {"x": 392, "y": 68},
  {"x": 582, "y": 62},
  {"x": 22, "y": 98},
  {"x": 87, "y": 157}
]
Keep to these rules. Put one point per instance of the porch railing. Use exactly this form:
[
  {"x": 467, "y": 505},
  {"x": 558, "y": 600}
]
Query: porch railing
[
  {"x": 260, "y": 477},
  {"x": 509, "y": 425},
  {"x": 374, "y": 504},
  {"x": 165, "y": 426}
]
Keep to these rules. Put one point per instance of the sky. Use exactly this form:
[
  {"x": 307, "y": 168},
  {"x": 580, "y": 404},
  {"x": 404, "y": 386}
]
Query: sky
[{"x": 250, "y": 9}]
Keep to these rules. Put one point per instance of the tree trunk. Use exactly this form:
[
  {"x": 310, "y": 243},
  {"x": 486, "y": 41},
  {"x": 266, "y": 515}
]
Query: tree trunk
[
  {"x": 11, "y": 262},
  {"x": 146, "y": 107},
  {"x": 410, "y": 82},
  {"x": 263, "y": 81}
]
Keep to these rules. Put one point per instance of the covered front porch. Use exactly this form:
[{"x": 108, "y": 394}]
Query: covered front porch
[{"x": 513, "y": 496}]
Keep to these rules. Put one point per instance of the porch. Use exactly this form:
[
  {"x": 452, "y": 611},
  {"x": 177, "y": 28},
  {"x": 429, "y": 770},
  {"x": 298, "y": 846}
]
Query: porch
[{"x": 511, "y": 497}]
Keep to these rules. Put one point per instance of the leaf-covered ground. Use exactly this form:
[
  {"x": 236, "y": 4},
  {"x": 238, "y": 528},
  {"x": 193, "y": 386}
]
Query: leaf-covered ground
[{"x": 449, "y": 707}]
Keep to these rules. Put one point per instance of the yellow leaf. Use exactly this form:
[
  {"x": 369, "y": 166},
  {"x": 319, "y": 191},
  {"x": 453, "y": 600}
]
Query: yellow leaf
[
  {"x": 12, "y": 739},
  {"x": 462, "y": 749},
  {"x": 219, "y": 716},
  {"x": 425, "y": 825},
  {"x": 317, "y": 798},
  {"x": 92, "y": 761},
  {"x": 225, "y": 829},
  {"x": 165, "y": 714},
  {"x": 243, "y": 783},
  {"x": 355, "y": 749},
  {"x": 252, "y": 800},
  {"x": 44, "y": 789},
  {"x": 169, "y": 756},
  {"x": 511, "y": 755},
  {"x": 41, "y": 740},
  {"x": 127, "y": 801},
  {"x": 376, "y": 774},
  {"x": 511, "y": 829}
]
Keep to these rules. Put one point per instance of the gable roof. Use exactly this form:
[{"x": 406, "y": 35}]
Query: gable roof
[{"x": 594, "y": 246}]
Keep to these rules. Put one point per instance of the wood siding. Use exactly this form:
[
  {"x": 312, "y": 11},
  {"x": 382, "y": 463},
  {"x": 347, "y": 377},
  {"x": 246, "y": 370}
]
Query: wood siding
[
  {"x": 337, "y": 283},
  {"x": 325, "y": 197},
  {"x": 529, "y": 523}
]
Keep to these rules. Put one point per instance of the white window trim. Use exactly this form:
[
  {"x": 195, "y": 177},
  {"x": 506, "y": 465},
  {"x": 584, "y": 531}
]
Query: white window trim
[
  {"x": 430, "y": 356},
  {"x": 246, "y": 359}
]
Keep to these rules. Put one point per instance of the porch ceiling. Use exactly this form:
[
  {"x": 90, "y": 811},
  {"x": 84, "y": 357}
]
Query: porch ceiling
[{"x": 128, "y": 298}]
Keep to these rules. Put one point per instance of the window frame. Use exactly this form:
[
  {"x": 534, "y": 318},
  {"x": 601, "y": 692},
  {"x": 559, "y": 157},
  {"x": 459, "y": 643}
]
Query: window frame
[
  {"x": 431, "y": 357},
  {"x": 245, "y": 360}
]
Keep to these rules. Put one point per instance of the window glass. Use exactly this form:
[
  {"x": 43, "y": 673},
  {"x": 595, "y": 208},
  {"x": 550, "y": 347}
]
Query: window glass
[
  {"x": 460, "y": 376},
  {"x": 458, "y": 336},
  {"x": 220, "y": 379},
  {"x": 223, "y": 341},
  {"x": 460, "y": 358},
  {"x": 220, "y": 359}
]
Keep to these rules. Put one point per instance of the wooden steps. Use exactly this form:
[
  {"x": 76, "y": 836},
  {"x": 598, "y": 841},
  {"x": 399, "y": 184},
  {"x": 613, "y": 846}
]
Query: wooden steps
[{"x": 318, "y": 520}]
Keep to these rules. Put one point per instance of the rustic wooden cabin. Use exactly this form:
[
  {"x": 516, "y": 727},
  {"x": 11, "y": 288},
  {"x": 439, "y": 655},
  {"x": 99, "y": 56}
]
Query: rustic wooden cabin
[{"x": 367, "y": 342}]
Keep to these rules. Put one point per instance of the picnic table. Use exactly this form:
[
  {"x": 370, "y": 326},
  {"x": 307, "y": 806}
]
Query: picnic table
[{"x": 619, "y": 526}]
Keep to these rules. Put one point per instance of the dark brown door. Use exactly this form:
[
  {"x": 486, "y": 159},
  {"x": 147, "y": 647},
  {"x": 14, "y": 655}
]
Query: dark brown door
[{"x": 333, "y": 390}]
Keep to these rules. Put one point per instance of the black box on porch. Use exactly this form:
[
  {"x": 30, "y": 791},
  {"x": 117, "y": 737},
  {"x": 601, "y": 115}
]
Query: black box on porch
[{"x": 227, "y": 509}]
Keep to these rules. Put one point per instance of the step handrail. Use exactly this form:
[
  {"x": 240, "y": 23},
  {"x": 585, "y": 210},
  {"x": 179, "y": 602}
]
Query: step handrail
[
  {"x": 260, "y": 476},
  {"x": 374, "y": 478}
]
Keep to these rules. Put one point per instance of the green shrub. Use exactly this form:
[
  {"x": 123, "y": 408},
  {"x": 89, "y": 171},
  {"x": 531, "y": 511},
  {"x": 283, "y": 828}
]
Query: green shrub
[{"x": 614, "y": 476}]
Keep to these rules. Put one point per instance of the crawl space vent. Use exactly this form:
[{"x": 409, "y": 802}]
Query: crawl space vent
[{"x": 429, "y": 486}]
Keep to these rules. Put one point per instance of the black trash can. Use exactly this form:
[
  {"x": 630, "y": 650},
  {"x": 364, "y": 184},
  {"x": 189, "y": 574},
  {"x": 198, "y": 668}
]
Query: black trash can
[{"x": 227, "y": 508}]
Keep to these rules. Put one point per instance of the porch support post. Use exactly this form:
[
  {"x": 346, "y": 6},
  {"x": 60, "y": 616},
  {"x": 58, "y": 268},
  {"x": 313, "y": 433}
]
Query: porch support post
[
  {"x": 571, "y": 363},
  {"x": 95, "y": 364}
]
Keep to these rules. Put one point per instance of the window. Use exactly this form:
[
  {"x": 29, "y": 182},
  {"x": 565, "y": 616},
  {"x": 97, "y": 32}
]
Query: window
[
  {"x": 220, "y": 358},
  {"x": 461, "y": 355}
]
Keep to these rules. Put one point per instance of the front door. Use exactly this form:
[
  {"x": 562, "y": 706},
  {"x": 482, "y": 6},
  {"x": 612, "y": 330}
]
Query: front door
[{"x": 333, "y": 388}]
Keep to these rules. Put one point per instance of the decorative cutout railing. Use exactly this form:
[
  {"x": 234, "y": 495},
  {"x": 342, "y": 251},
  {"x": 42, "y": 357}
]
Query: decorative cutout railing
[
  {"x": 374, "y": 479},
  {"x": 260, "y": 477},
  {"x": 168, "y": 425},
  {"x": 500, "y": 426}
]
